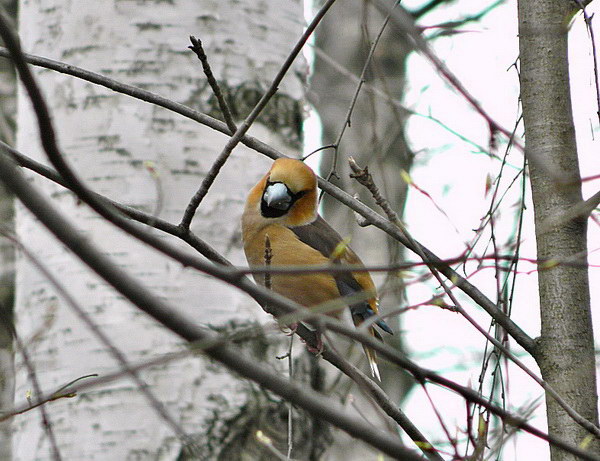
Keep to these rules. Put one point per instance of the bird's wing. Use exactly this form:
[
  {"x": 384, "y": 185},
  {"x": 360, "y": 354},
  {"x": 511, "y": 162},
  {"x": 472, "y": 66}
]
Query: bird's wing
[{"x": 323, "y": 238}]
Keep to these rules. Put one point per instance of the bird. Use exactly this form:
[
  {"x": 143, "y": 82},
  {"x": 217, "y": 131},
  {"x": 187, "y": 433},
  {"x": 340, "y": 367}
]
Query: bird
[{"x": 281, "y": 214}]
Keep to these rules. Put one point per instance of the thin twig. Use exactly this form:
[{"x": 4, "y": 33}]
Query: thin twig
[
  {"x": 452, "y": 25},
  {"x": 451, "y": 440},
  {"x": 197, "y": 48},
  {"x": 268, "y": 258},
  {"x": 588, "y": 23},
  {"x": 31, "y": 371},
  {"x": 252, "y": 116},
  {"x": 361, "y": 82},
  {"x": 364, "y": 178},
  {"x": 290, "y": 406},
  {"x": 63, "y": 392}
]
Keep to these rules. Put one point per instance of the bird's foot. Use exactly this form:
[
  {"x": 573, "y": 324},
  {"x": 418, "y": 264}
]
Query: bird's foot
[{"x": 290, "y": 329}]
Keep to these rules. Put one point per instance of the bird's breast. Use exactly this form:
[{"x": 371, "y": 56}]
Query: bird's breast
[{"x": 287, "y": 250}]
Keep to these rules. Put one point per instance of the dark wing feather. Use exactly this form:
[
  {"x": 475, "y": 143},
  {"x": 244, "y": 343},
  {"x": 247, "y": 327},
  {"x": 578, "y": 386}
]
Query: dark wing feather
[
  {"x": 318, "y": 235},
  {"x": 323, "y": 238}
]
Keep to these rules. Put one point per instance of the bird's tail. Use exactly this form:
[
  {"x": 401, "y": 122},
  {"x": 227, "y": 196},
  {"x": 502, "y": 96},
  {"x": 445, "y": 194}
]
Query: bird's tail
[
  {"x": 360, "y": 313},
  {"x": 372, "y": 355},
  {"x": 372, "y": 358}
]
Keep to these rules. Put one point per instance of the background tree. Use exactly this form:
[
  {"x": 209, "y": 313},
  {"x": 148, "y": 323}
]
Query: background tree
[
  {"x": 565, "y": 351},
  {"x": 357, "y": 83},
  {"x": 7, "y": 111}
]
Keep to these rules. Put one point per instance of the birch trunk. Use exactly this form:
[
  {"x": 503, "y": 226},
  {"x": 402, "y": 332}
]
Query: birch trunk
[{"x": 152, "y": 159}]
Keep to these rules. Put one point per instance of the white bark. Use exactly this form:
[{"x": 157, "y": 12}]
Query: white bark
[{"x": 113, "y": 142}]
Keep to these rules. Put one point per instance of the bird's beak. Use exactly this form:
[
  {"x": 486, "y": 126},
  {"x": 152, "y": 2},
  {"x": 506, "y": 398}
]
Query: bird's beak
[{"x": 277, "y": 196}]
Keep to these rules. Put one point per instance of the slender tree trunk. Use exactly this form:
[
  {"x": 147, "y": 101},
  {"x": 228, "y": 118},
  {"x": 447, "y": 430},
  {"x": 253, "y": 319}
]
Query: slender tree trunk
[
  {"x": 7, "y": 256},
  {"x": 375, "y": 138},
  {"x": 153, "y": 159},
  {"x": 566, "y": 346}
]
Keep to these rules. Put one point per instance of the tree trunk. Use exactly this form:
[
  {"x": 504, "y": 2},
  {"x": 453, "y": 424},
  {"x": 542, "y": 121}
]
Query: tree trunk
[
  {"x": 152, "y": 159},
  {"x": 7, "y": 256},
  {"x": 566, "y": 346},
  {"x": 375, "y": 138}
]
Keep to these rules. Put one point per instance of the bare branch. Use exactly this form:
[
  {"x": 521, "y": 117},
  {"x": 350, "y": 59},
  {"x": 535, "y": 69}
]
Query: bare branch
[
  {"x": 63, "y": 392},
  {"x": 371, "y": 216},
  {"x": 588, "y": 22},
  {"x": 580, "y": 211},
  {"x": 31, "y": 371},
  {"x": 364, "y": 178},
  {"x": 212, "y": 81}
]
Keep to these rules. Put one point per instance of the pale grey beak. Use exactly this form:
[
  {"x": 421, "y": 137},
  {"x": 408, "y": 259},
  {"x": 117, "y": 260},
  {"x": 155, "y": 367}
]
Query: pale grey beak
[{"x": 277, "y": 196}]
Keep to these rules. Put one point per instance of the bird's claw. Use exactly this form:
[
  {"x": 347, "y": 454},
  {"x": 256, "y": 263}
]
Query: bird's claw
[{"x": 290, "y": 329}]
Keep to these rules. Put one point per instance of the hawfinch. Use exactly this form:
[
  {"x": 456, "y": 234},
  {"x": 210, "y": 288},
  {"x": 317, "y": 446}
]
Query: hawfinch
[{"x": 282, "y": 208}]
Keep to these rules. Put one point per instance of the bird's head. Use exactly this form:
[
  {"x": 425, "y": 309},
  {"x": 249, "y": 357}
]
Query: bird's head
[{"x": 288, "y": 193}]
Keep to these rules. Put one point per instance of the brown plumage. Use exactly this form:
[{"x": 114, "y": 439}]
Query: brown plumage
[{"x": 283, "y": 207}]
